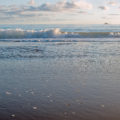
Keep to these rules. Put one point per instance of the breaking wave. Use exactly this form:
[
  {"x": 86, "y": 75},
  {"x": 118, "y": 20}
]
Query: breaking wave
[{"x": 53, "y": 33}]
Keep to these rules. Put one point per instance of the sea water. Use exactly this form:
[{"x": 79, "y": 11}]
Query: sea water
[{"x": 59, "y": 72}]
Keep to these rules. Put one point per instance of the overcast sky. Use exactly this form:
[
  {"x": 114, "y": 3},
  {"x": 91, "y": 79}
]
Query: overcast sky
[{"x": 59, "y": 11}]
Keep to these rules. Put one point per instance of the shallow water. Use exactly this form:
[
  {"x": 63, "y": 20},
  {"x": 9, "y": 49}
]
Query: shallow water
[{"x": 60, "y": 80}]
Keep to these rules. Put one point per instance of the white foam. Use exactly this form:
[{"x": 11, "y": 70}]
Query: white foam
[
  {"x": 19, "y": 33},
  {"x": 53, "y": 33}
]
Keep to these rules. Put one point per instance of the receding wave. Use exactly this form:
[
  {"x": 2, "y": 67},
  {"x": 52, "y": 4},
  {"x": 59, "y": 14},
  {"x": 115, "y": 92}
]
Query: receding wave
[{"x": 53, "y": 33}]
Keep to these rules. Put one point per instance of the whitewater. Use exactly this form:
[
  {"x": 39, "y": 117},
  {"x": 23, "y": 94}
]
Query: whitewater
[
  {"x": 53, "y": 33},
  {"x": 55, "y": 41},
  {"x": 63, "y": 32}
]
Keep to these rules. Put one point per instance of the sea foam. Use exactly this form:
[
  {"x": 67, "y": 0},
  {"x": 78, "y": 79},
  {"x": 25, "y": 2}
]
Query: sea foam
[{"x": 53, "y": 33}]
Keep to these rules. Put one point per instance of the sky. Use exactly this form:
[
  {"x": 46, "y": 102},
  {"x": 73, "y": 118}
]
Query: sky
[{"x": 59, "y": 11}]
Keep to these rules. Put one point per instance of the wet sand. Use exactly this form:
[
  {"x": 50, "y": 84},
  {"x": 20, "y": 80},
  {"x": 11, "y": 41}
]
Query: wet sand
[{"x": 60, "y": 81}]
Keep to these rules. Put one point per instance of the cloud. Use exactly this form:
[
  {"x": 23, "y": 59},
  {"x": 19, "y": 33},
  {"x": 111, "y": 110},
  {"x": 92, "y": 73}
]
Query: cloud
[
  {"x": 106, "y": 18},
  {"x": 114, "y": 14},
  {"x": 83, "y": 12},
  {"x": 104, "y": 7},
  {"x": 112, "y": 3},
  {"x": 31, "y": 2},
  {"x": 46, "y": 9},
  {"x": 49, "y": 7},
  {"x": 62, "y": 6}
]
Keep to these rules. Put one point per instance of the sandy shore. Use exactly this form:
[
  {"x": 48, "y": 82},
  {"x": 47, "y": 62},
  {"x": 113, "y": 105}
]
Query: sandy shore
[{"x": 59, "y": 81}]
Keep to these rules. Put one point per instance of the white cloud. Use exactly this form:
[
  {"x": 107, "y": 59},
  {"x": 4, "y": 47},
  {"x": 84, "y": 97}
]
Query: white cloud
[
  {"x": 31, "y": 2},
  {"x": 104, "y": 7},
  {"x": 63, "y": 6},
  {"x": 112, "y": 3},
  {"x": 33, "y": 10},
  {"x": 51, "y": 7},
  {"x": 114, "y": 14},
  {"x": 83, "y": 5}
]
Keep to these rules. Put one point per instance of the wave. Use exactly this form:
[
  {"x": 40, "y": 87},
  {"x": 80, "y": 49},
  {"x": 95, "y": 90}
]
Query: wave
[
  {"x": 62, "y": 40},
  {"x": 53, "y": 33}
]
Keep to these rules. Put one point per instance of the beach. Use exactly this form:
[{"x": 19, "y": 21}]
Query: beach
[
  {"x": 59, "y": 80},
  {"x": 59, "y": 59}
]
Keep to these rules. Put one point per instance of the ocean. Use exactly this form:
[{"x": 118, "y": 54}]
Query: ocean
[{"x": 59, "y": 72}]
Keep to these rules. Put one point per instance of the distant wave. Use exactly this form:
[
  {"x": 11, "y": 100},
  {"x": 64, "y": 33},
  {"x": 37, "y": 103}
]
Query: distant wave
[
  {"x": 62, "y": 40},
  {"x": 53, "y": 33}
]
